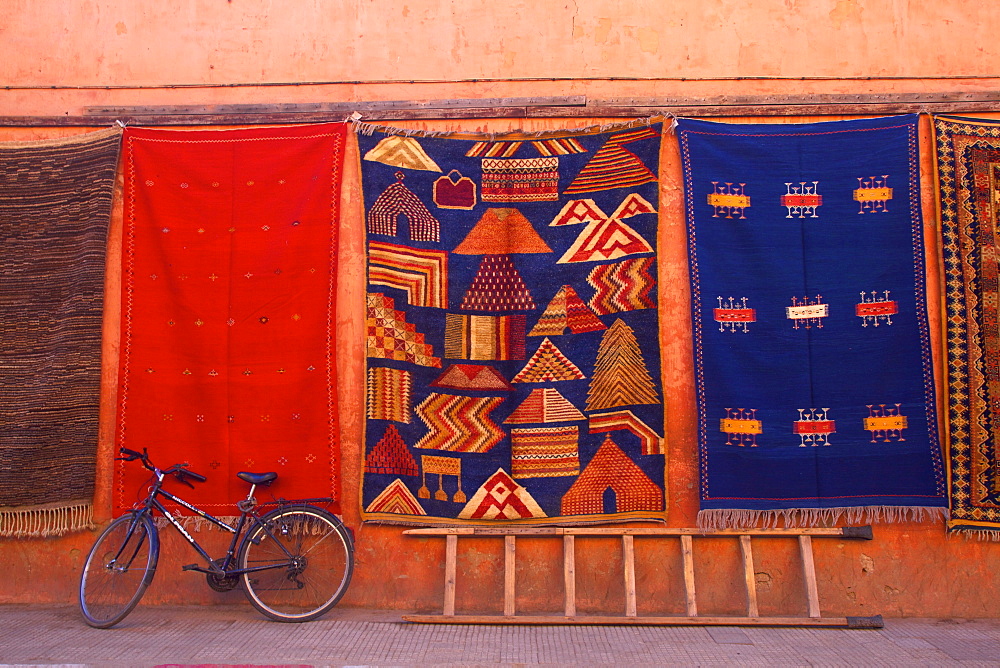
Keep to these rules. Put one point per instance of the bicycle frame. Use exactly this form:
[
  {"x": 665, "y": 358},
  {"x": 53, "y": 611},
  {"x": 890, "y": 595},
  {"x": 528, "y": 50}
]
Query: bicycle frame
[
  {"x": 306, "y": 551},
  {"x": 247, "y": 511}
]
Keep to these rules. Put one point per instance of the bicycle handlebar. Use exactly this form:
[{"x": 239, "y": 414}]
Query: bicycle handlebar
[
  {"x": 131, "y": 455},
  {"x": 179, "y": 471},
  {"x": 182, "y": 475}
]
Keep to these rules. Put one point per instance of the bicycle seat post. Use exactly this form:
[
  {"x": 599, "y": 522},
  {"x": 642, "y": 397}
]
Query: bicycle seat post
[{"x": 254, "y": 479}]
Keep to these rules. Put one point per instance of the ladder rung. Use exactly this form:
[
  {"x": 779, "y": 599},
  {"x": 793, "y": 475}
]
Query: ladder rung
[
  {"x": 569, "y": 575},
  {"x": 749, "y": 577},
  {"x": 509, "y": 553},
  {"x": 687, "y": 554},
  {"x": 628, "y": 558},
  {"x": 809, "y": 574}
]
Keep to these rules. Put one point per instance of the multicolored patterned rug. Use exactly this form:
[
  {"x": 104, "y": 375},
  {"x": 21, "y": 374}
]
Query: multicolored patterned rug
[
  {"x": 812, "y": 351},
  {"x": 55, "y": 205},
  {"x": 513, "y": 361},
  {"x": 968, "y": 166},
  {"x": 228, "y": 308}
]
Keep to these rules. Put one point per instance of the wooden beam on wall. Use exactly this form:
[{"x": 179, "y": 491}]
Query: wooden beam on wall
[
  {"x": 861, "y": 104},
  {"x": 372, "y": 107}
]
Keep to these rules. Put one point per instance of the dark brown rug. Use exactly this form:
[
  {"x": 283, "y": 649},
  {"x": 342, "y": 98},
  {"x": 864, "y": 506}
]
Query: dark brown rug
[{"x": 55, "y": 205}]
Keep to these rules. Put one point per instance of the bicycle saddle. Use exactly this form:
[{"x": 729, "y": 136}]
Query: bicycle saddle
[{"x": 257, "y": 478}]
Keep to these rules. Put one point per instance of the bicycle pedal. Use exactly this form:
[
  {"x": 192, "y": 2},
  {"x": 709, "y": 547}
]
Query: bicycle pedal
[{"x": 190, "y": 567}]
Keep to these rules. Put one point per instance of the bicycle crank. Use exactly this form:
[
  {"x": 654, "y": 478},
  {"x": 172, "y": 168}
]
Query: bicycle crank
[{"x": 221, "y": 583}]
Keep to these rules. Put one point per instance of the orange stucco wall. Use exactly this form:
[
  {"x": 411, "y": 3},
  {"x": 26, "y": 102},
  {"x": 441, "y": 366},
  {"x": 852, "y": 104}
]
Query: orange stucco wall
[{"x": 373, "y": 50}]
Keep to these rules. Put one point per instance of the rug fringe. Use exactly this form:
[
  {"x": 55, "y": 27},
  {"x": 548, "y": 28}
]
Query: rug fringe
[
  {"x": 975, "y": 533},
  {"x": 45, "y": 522},
  {"x": 368, "y": 129},
  {"x": 196, "y": 523},
  {"x": 738, "y": 518},
  {"x": 560, "y": 522}
]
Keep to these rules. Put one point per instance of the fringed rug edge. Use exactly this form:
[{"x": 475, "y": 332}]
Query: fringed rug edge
[
  {"x": 556, "y": 522},
  {"x": 46, "y": 521},
  {"x": 740, "y": 518},
  {"x": 972, "y": 531}
]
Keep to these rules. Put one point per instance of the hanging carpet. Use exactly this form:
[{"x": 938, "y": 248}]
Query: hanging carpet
[
  {"x": 55, "y": 206},
  {"x": 228, "y": 304},
  {"x": 968, "y": 166},
  {"x": 512, "y": 337},
  {"x": 812, "y": 351}
]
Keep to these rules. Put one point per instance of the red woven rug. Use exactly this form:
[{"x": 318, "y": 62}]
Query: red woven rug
[{"x": 228, "y": 301}]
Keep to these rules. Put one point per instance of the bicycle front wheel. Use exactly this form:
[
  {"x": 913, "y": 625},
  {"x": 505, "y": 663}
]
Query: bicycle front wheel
[
  {"x": 299, "y": 561},
  {"x": 118, "y": 569}
]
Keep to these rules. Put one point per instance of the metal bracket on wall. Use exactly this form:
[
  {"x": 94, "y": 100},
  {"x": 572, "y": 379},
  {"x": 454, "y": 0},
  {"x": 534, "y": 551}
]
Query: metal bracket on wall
[{"x": 627, "y": 535}]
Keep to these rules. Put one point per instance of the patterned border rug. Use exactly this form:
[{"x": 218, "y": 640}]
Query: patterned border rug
[
  {"x": 228, "y": 308},
  {"x": 812, "y": 350},
  {"x": 513, "y": 358},
  {"x": 55, "y": 205},
  {"x": 968, "y": 166}
]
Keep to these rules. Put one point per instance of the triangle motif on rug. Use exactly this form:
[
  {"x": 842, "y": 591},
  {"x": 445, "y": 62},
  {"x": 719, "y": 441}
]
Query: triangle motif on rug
[
  {"x": 620, "y": 374},
  {"x": 397, "y": 500},
  {"x": 548, "y": 364},
  {"x": 614, "y": 166},
  {"x": 498, "y": 286},
  {"x": 567, "y": 310},
  {"x": 405, "y": 152},
  {"x": 472, "y": 377},
  {"x": 500, "y": 498},
  {"x": 610, "y": 468},
  {"x": 608, "y": 239},
  {"x": 544, "y": 404},
  {"x": 502, "y": 231},
  {"x": 390, "y": 455},
  {"x": 578, "y": 211},
  {"x": 390, "y": 336}
]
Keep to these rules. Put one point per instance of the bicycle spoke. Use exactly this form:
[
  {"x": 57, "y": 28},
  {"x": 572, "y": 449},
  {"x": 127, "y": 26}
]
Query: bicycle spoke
[
  {"x": 118, "y": 570},
  {"x": 327, "y": 535},
  {"x": 312, "y": 562}
]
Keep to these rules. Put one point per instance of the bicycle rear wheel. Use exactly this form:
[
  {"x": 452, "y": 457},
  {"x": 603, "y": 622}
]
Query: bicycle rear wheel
[
  {"x": 302, "y": 557},
  {"x": 118, "y": 569}
]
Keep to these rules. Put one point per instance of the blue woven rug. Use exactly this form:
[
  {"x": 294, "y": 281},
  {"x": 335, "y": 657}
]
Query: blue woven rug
[
  {"x": 513, "y": 367},
  {"x": 812, "y": 353}
]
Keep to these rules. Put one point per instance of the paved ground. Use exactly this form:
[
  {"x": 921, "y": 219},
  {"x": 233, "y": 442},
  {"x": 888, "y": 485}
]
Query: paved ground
[{"x": 155, "y": 636}]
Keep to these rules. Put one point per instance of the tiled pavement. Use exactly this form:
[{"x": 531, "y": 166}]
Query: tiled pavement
[{"x": 151, "y": 636}]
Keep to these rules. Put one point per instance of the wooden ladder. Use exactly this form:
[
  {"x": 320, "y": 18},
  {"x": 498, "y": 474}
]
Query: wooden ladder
[{"x": 627, "y": 535}]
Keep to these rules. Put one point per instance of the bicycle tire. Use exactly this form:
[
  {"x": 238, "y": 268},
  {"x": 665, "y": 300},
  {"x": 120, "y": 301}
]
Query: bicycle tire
[
  {"x": 110, "y": 587},
  {"x": 305, "y": 586}
]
